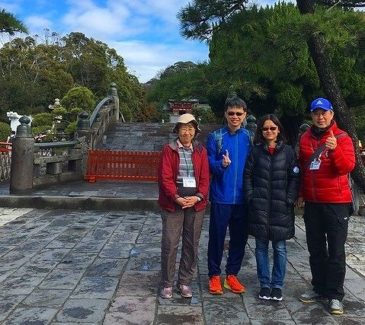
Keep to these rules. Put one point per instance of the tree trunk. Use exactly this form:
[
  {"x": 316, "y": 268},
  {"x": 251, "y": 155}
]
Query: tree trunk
[{"x": 329, "y": 84}]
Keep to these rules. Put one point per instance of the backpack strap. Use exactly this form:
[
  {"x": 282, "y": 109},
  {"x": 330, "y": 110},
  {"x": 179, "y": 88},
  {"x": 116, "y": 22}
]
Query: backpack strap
[{"x": 218, "y": 137}]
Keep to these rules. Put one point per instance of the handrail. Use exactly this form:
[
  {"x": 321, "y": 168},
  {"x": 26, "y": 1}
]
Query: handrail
[
  {"x": 59, "y": 144},
  {"x": 98, "y": 107}
]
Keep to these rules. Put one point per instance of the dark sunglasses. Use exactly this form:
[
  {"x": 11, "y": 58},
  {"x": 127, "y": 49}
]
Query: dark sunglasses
[
  {"x": 272, "y": 128},
  {"x": 235, "y": 113}
]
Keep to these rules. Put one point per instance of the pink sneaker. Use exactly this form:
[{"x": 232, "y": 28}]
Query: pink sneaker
[
  {"x": 166, "y": 293},
  {"x": 185, "y": 291}
]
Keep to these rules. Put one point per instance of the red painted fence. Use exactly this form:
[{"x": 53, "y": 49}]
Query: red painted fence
[
  {"x": 5, "y": 160},
  {"x": 5, "y": 146},
  {"x": 125, "y": 165},
  {"x": 122, "y": 165}
]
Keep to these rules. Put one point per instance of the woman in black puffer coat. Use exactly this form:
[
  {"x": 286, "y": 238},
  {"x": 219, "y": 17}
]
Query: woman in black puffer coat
[{"x": 271, "y": 187}]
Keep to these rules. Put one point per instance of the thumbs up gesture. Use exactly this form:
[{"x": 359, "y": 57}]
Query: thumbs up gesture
[{"x": 331, "y": 141}]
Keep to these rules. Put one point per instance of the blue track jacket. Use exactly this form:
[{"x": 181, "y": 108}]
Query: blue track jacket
[{"x": 226, "y": 185}]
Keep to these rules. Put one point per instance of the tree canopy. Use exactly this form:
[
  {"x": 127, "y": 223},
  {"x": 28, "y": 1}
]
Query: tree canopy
[
  {"x": 342, "y": 3},
  {"x": 279, "y": 58},
  {"x": 199, "y": 19},
  {"x": 33, "y": 74},
  {"x": 9, "y": 24},
  {"x": 262, "y": 53}
]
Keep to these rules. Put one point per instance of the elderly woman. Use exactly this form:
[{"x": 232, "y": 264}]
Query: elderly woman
[{"x": 183, "y": 190}]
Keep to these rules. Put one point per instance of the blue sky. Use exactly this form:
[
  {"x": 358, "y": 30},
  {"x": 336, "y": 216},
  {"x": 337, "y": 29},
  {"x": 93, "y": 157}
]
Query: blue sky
[{"x": 144, "y": 32}]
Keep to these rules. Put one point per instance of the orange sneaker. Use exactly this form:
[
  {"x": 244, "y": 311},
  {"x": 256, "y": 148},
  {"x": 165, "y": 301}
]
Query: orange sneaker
[
  {"x": 231, "y": 282},
  {"x": 215, "y": 286}
]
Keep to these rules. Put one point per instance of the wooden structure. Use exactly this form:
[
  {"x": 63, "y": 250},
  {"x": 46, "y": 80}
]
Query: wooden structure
[
  {"x": 182, "y": 106},
  {"x": 122, "y": 165}
]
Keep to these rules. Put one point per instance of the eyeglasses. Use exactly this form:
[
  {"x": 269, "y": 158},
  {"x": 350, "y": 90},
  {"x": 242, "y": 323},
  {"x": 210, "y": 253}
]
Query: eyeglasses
[
  {"x": 187, "y": 128},
  {"x": 272, "y": 128},
  {"x": 235, "y": 113}
]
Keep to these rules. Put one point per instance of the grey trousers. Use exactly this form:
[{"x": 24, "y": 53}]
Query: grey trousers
[{"x": 188, "y": 224}]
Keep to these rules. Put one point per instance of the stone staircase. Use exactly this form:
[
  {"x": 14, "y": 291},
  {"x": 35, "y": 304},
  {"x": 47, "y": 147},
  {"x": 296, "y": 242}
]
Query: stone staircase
[{"x": 146, "y": 136}]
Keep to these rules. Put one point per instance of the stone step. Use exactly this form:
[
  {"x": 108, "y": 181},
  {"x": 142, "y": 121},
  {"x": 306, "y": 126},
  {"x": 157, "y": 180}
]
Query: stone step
[{"x": 146, "y": 136}]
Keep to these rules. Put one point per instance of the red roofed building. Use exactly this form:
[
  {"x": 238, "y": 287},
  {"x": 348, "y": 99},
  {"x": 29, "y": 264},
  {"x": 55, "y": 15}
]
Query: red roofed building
[{"x": 179, "y": 107}]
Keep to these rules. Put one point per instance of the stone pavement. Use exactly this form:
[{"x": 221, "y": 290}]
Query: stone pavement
[
  {"x": 101, "y": 195},
  {"x": 72, "y": 266}
]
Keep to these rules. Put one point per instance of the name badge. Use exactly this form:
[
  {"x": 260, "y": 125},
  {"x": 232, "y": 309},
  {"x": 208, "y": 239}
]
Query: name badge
[
  {"x": 189, "y": 182},
  {"x": 315, "y": 164}
]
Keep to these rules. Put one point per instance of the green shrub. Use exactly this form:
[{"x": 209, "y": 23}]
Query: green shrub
[
  {"x": 74, "y": 113},
  {"x": 59, "y": 111},
  {"x": 81, "y": 97},
  {"x": 359, "y": 114},
  {"x": 5, "y": 131},
  {"x": 42, "y": 129},
  {"x": 42, "y": 120},
  {"x": 70, "y": 129}
]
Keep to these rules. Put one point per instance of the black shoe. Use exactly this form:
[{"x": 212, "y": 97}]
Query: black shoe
[
  {"x": 276, "y": 294},
  {"x": 264, "y": 294}
]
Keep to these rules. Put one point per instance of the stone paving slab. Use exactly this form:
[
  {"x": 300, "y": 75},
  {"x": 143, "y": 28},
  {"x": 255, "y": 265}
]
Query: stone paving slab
[
  {"x": 103, "y": 267},
  {"x": 10, "y": 214}
]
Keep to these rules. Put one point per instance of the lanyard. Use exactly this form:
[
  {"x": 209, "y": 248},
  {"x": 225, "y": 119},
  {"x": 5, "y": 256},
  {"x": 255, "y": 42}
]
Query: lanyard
[{"x": 186, "y": 162}]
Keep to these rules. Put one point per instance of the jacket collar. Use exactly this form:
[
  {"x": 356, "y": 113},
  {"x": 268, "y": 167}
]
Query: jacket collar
[
  {"x": 318, "y": 133},
  {"x": 279, "y": 146},
  {"x": 195, "y": 145},
  {"x": 240, "y": 130},
  {"x": 180, "y": 145}
]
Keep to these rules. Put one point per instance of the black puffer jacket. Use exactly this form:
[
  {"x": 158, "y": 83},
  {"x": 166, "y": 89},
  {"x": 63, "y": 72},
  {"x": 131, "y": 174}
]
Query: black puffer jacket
[{"x": 271, "y": 187}]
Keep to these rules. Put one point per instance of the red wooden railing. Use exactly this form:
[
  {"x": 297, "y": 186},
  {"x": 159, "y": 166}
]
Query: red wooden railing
[
  {"x": 5, "y": 146},
  {"x": 122, "y": 165},
  {"x": 5, "y": 160}
]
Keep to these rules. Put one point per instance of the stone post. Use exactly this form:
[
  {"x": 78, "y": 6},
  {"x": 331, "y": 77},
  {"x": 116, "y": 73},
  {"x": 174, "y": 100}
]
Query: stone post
[
  {"x": 84, "y": 136},
  {"x": 114, "y": 93},
  {"x": 83, "y": 128},
  {"x": 21, "y": 177},
  {"x": 83, "y": 122}
]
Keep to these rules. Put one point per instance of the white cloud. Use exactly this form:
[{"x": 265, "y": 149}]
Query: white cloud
[
  {"x": 36, "y": 23},
  {"x": 144, "y": 32},
  {"x": 165, "y": 10},
  {"x": 113, "y": 20},
  {"x": 145, "y": 60},
  {"x": 123, "y": 18}
]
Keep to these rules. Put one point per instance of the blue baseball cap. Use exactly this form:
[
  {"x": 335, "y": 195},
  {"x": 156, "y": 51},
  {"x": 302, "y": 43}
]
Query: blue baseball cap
[{"x": 322, "y": 103}]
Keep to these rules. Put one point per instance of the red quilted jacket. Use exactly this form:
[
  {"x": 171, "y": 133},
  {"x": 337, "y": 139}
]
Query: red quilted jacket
[
  {"x": 167, "y": 175},
  {"x": 330, "y": 183}
]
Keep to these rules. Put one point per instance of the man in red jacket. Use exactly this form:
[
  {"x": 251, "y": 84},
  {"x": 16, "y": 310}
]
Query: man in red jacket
[{"x": 326, "y": 156}]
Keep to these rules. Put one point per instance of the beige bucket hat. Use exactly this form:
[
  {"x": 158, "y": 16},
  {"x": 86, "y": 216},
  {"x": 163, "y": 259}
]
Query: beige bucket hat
[{"x": 185, "y": 119}]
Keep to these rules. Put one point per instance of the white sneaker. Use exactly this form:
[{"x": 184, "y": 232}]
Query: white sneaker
[
  {"x": 185, "y": 291},
  {"x": 166, "y": 293},
  {"x": 310, "y": 296},
  {"x": 336, "y": 307}
]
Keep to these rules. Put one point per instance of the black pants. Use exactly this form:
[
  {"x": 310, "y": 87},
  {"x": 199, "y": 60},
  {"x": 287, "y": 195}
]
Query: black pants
[{"x": 326, "y": 231}]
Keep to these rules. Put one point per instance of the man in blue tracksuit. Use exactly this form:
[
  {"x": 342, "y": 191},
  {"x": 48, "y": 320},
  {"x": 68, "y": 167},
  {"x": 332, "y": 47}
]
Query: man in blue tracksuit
[{"x": 228, "y": 149}]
